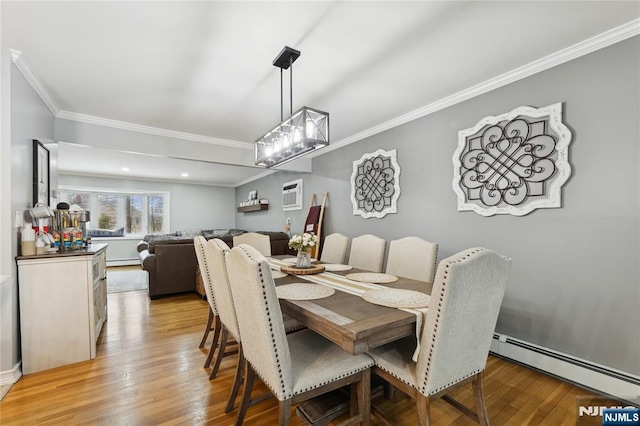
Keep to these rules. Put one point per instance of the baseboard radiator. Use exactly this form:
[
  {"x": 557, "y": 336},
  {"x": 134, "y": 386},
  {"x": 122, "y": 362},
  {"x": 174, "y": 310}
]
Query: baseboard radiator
[
  {"x": 602, "y": 379},
  {"x": 123, "y": 262}
]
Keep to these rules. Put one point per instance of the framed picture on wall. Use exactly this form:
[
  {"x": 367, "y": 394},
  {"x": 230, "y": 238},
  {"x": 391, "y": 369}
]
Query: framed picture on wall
[{"x": 40, "y": 173}]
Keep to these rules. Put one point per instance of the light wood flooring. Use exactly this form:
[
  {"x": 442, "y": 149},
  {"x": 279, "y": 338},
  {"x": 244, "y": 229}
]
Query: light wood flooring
[{"x": 149, "y": 371}]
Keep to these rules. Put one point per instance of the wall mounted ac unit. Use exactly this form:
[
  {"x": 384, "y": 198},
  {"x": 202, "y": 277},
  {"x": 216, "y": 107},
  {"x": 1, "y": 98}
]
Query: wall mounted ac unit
[{"x": 292, "y": 195}]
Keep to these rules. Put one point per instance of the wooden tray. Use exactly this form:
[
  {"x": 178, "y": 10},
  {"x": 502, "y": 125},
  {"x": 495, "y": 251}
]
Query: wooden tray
[{"x": 314, "y": 269}]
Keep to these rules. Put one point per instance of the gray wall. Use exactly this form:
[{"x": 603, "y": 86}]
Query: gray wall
[
  {"x": 29, "y": 119},
  {"x": 273, "y": 219},
  {"x": 575, "y": 280}
]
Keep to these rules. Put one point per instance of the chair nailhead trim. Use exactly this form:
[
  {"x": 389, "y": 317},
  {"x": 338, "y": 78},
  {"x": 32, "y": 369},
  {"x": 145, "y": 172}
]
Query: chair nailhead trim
[
  {"x": 437, "y": 320},
  {"x": 201, "y": 248},
  {"x": 270, "y": 323}
]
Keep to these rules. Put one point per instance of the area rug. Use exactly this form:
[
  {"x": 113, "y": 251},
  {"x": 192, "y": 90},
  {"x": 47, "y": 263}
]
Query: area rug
[{"x": 119, "y": 281}]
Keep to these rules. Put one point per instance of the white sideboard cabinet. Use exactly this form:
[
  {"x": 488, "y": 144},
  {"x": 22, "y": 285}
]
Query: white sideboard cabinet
[{"x": 63, "y": 306}]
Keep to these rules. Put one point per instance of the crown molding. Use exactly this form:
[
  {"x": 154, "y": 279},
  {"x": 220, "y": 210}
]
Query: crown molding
[
  {"x": 27, "y": 71},
  {"x": 123, "y": 125},
  {"x": 582, "y": 48}
]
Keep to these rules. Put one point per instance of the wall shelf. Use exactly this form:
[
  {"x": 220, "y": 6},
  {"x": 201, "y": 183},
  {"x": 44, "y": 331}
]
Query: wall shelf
[{"x": 253, "y": 208}]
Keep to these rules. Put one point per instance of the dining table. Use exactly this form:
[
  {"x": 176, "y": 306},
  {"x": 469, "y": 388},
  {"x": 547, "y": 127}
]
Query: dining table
[{"x": 345, "y": 317}]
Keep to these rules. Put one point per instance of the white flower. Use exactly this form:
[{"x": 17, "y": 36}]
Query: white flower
[{"x": 306, "y": 240}]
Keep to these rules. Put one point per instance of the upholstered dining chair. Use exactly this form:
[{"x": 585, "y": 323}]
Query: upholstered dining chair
[
  {"x": 367, "y": 252},
  {"x": 334, "y": 248},
  {"x": 215, "y": 252},
  {"x": 213, "y": 320},
  {"x": 455, "y": 340},
  {"x": 260, "y": 242},
  {"x": 412, "y": 257},
  {"x": 297, "y": 366}
]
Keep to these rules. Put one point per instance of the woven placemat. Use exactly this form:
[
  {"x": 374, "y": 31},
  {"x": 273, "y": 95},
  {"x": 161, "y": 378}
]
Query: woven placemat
[
  {"x": 303, "y": 291},
  {"x": 372, "y": 277},
  {"x": 336, "y": 267},
  {"x": 277, "y": 274},
  {"x": 292, "y": 270},
  {"x": 397, "y": 298}
]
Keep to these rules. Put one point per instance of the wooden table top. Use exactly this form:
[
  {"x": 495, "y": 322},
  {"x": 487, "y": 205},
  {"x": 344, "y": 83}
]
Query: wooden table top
[{"x": 350, "y": 321}]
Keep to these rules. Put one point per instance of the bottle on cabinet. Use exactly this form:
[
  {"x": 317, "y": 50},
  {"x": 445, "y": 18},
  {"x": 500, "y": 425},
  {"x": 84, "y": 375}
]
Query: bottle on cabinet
[
  {"x": 28, "y": 240},
  {"x": 40, "y": 244},
  {"x": 66, "y": 233},
  {"x": 56, "y": 234},
  {"x": 76, "y": 234}
]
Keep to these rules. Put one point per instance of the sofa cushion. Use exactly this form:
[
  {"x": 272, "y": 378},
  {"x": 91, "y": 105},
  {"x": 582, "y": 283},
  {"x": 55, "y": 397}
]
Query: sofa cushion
[
  {"x": 168, "y": 240},
  {"x": 215, "y": 233},
  {"x": 189, "y": 233}
]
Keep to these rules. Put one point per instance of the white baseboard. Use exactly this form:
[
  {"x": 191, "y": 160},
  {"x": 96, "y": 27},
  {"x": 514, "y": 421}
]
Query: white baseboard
[
  {"x": 8, "y": 378},
  {"x": 123, "y": 262},
  {"x": 603, "y": 379}
]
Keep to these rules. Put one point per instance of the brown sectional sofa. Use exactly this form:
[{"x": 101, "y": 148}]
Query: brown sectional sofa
[{"x": 170, "y": 260}]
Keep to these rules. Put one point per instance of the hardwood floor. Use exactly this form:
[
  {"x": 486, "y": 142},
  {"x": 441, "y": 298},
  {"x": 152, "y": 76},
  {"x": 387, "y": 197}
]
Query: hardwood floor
[{"x": 149, "y": 371}]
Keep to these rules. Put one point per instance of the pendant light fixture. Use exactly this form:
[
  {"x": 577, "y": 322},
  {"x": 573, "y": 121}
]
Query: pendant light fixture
[{"x": 304, "y": 131}]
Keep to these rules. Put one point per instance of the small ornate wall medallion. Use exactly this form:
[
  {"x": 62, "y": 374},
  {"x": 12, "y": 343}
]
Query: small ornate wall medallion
[
  {"x": 375, "y": 184},
  {"x": 513, "y": 163}
]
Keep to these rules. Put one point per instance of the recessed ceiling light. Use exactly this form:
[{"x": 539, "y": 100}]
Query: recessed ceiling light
[
  {"x": 124, "y": 169},
  {"x": 184, "y": 174}
]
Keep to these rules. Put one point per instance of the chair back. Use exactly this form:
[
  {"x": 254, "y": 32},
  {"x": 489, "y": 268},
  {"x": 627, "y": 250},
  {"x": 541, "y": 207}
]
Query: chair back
[
  {"x": 215, "y": 252},
  {"x": 264, "y": 341},
  {"x": 463, "y": 311},
  {"x": 199, "y": 244},
  {"x": 260, "y": 242},
  {"x": 367, "y": 252},
  {"x": 334, "y": 248},
  {"x": 412, "y": 257}
]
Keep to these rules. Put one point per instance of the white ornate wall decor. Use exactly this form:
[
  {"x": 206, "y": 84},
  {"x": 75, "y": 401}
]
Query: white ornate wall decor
[
  {"x": 375, "y": 184},
  {"x": 513, "y": 163}
]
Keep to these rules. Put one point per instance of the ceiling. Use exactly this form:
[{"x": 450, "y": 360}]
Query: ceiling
[{"x": 202, "y": 70}]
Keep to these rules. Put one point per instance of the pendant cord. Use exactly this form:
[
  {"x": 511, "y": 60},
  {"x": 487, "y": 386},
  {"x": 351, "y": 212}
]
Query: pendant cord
[
  {"x": 290, "y": 86},
  {"x": 281, "y": 98}
]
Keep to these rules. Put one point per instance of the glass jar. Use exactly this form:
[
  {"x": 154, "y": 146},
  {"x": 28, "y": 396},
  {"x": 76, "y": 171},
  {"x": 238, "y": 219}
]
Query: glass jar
[{"x": 303, "y": 260}]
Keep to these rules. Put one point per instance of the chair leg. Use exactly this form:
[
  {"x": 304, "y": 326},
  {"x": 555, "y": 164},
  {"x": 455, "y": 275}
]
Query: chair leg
[
  {"x": 285, "y": 412},
  {"x": 422, "y": 406},
  {"x": 478, "y": 394},
  {"x": 221, "y": 348},
  {"x": 364, "y": 397},
  {"x": 237, "y": 381},
  {"x": 246, "y": 393},
  {"x": 207, "y": 329},
  {"x": 214, "y": 343}
]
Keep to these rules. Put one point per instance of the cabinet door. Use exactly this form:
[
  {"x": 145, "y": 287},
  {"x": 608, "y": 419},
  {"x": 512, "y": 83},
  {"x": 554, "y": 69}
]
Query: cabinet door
[{"x": 53, "y": 313}]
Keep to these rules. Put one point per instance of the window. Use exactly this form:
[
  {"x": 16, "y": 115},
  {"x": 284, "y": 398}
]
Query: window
[{"x": 137, "y": 213}]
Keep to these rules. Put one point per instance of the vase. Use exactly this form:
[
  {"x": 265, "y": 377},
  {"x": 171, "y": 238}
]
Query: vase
[{"x": 303, "y": 260}]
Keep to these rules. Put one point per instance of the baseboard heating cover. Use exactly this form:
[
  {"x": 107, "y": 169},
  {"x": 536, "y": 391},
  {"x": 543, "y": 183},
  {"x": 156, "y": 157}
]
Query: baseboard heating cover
[
  {"x": 603, "y": 379},
  {"x": 123, "y": 262}
]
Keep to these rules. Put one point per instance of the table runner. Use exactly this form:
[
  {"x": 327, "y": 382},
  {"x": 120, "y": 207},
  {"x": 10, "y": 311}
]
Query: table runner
[{"x": 356, "y": 288}]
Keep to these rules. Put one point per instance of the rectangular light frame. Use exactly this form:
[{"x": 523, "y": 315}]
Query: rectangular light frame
[{"x": 306, "y": 130}]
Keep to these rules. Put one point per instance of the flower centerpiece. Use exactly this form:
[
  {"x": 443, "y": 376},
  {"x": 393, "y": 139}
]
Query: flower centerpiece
[{"x": 303, "y": 243}]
